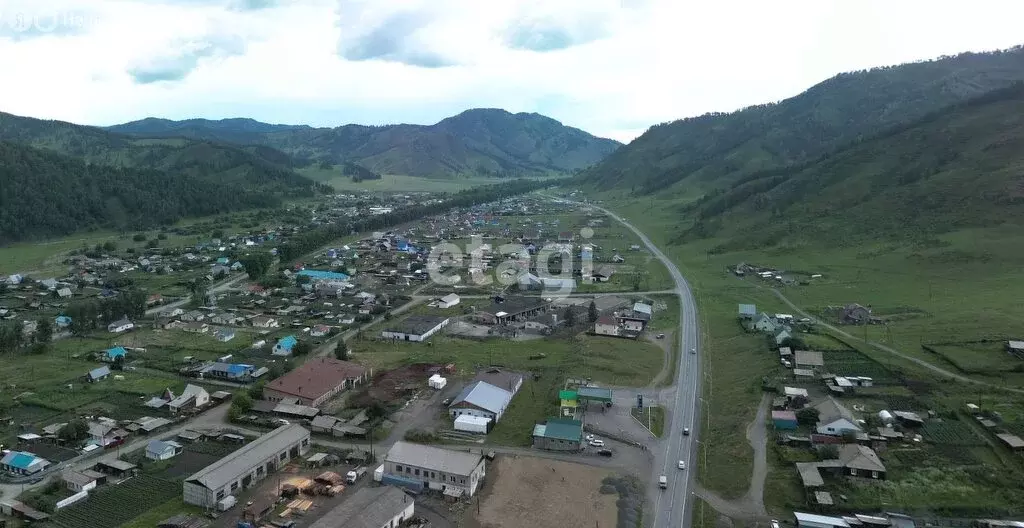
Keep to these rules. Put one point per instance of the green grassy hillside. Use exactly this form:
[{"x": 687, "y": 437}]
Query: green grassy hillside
[{"x": 702, "y": 152}]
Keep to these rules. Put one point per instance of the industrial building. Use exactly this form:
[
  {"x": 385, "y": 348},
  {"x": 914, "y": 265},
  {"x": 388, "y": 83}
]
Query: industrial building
[
  {"x": 480, "y": 399},
  {"x": 386, "y": 507},
  {"x": 559, "y": 434},
  {"x": 415, "y": 466},
  {"x": 249, "y": 464},
  {"x": 316, "y": 381},
  {"x": 415, "y": 328}
]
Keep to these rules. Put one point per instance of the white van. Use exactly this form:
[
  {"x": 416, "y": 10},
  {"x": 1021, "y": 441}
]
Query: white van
[{"x": 663, "y": 482}]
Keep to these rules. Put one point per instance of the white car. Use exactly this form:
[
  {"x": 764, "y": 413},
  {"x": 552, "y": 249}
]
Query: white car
[
  {"x": 597, "y": 443},
  {"x": 589, "y": 437},
  {"x": 682, "y": 464},
  {"x": 693, "y": 350}
]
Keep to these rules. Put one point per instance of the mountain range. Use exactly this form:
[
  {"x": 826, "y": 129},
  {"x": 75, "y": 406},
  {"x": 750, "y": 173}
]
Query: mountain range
[
  {"x": 481, "y": 141},
  {"x": 693, "y": 155}
]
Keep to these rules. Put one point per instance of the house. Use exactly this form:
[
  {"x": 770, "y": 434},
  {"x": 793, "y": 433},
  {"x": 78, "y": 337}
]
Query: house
[
  {"x": 765, "y": 323},
  {"x": 79, "y": 481},
  {"x": 263, "y": 321},
  {"x": 97, "y": 374},
  {"x": 834, "y": 419},
  {"x": 808, "y": 359},
  {"x": 110, "y": 355},
  {"x": 606, "y": 325},
  {"x": 224, "y": 334},
  {"x": 455, "y": 473},
  {"x": 246, "y": 466},
  {"x": 323, "y": 423},
  {"x": 147, "y": 424},
  {"x": 316, "y": 381},
  {"x": 448, "y": 301},
  {"x": 116, "y": 467},
  {"x": 229, "y": 371},
  {"x": 529, "y": 281},
  {"x": 631, "y": 321},
  {"x": 62, "y": 321},
  {"x": 162, "y": 450},
  {"x": 603, "y": 273},
  {"x": 855, "y": 314},
  {"x": 193, "y": 396},
  {"x": 22, "y": 463},
  {"x": 748, "y": 311},
  {"x": 854, "y": 460},
  {"x": 196, "y": 327},
  {"x": 385, "y": 506},
  {"x": 106, "y": 433},
  {"x": 193, "y": 316},
  {"x": 559, "y": 434},
  {"x": 784, "y": 420},
  {"x": 320, "y": 331},
  {"x": 480, "y": 399},
  {"x": 284, "y": 346},
  {"x": 643, "y": 311},
  {"x": 64, "y": 293},
  {"x": 782, "y": 336},
  {"x": 414, "y": 328},
  {"x": 121, "y": 325}
]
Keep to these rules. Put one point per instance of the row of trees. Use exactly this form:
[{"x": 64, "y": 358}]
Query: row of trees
[{"x": 13, "y": 336}]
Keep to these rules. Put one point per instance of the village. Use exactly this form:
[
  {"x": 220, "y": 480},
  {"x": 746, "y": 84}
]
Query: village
[{"x": 348, "y": 365}]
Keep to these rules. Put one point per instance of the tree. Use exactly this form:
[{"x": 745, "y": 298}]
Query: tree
[
  {"x": 11, "y": 336},
  {"x": 241, "y": 403},
  {"x": 592, "y": 312},
  {"x": 139, "y": 237},
  {"x": 301, "y": 348},
  {"x": 256, "y": 391},
  {"x": 807, "y": 416},
  {"x": 341, "y": 351},
  {"x": 257, "y": 264},
  {"x": 376, "y": 410},
  {"x": 199, "y": 292},
  {"x": 828, "y": 452},
  {"x": 570, "y": 317},
  {"x": 118, "y": 363},
  {"x": 44, "y": 331},
  {"x": 110, "y": 245},
  {"x": 74, "y": 431}
]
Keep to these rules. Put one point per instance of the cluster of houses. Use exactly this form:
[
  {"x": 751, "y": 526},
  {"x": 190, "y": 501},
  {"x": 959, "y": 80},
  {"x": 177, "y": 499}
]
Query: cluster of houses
[
  {"x": 628, "y": 323},
  {"x": 769, "y": 274}
]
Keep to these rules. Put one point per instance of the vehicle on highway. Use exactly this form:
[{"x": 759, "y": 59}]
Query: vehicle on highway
[
  {"x": 682, "y": 464},
  {"x": 686, "y": 431},
  {"x": 663, "y": 482},
  {"x": 597, "y": 443},
  {"x": 605, "y": 452},
  {"x": 693, "y": 350},
  {"x": 661, "y": 336}
]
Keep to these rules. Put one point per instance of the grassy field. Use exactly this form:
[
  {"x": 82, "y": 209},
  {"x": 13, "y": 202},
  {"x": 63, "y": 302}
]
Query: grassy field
[
  {"x": 152, "y": 517},
  {"x": 964, "y": 287},
  {"x": 653, "y": 418},
  {"x": 393, "y": 182}
]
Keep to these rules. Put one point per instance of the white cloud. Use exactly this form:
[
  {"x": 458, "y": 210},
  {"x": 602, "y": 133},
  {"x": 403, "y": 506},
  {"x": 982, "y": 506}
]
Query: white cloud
[{"x": 611, "y": 67}]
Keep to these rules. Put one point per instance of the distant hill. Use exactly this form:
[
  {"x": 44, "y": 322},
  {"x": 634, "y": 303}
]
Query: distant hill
[
  {"x": 476, "y": 142},
  {"x": 151, "y": 181},
  {"x": 49, "y": 194},
  {"x": 712, "y": 150},
  {"x": 956, "y": 168}
]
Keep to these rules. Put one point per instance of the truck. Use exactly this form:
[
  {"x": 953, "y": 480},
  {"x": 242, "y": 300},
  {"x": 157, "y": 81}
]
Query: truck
[
  {"x": 355, "y": 474},
  {"x": 378, "y": 474},
  {"x": 663, "y": 482}
]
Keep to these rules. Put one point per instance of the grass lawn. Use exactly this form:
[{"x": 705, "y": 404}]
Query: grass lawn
[
  {"x": 653, "y": 418},
  {"x": 394, "y": 182},
  {"x": 534, "y": 403},
  {"x": 166, "y": 510}
]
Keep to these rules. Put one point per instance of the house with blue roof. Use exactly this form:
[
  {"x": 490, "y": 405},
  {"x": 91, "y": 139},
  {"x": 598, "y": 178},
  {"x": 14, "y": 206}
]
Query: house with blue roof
[
  {"x": 318, "y": 275},
  {"x": 23, "y": 463},
  {"x": 111, "y": 354},
  {"x": 223, "y": 261},
  {"x": 284, "y": 346},
  {"x": 62, "y": 321}
]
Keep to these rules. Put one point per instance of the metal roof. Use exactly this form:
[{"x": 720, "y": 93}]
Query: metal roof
[
  {"x": 20, "y": 459},
  {"x": 485, "y": 396},
  {"x": 416, "y": 324},
  {"x": 810, "y": 518},
  {"x": 434, "y": 458},
  {"x": 560, "y": 429},
  {"x": 594, "y": 393},
  {"x": 223, "y": 471}
]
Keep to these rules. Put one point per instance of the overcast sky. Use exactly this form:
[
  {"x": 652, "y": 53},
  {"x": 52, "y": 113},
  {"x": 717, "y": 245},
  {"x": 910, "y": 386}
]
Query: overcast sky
[{"x": 610, "y": 67}]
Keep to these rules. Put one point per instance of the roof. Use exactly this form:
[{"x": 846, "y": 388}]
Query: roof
[
  {"x": 566, "y": 395},
  {"x": 434, "y": 458},
  {"x": 116, "y": 352},
  {"x": 607, "y": 320},
  {"x": 804, "y": 518},
  {"x": 594, "y": 393},
  {"x": 783, "y": 415},
  {"x": 748, "y": 309},
  {"x": 20, "y": 459},
  {"x": 159, "y": 446},
  {"x": 560, "y": 429},
  {"x": 809, "y": 474},
  {"x": 860, "y": 457},
  {"x": 485, "y": 396},
  {"x": 642, "y": 308},
  {"x": 503, "y": 379},
  {"x": 322, "y": 275},
  {"x": 120, "y": 465},
  {"x": 809, "y": 357},
  {"x": 78, "y": 479},
  {"x": 287, "y": 342},
  {"x": 516, "y": 305},
  {"x": 316, "y": 377},
  {"x": 1016, "y": 345},
  {"x": 416, "y": 324},
  {"x": 450, "y": 298},
  {"x": 1011, "y": 440},
  {"x": 243, "y": 460},
  {"x": 366, "y": 508},
  {"x": 99, "y": 372},
  {"x": 829, "y": 410},
  {"x": 190, "y": 392}
]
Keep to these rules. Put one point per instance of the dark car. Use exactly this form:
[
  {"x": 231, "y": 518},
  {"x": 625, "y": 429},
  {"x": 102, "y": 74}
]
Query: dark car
[{"x": 605, "y": 452}]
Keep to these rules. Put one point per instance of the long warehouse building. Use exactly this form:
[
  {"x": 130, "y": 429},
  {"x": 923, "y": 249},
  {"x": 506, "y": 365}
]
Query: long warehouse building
[{"x": 246, "y": 466}]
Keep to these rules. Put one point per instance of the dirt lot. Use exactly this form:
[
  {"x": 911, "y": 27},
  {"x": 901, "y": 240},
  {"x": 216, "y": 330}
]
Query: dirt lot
[
  {"x": 541, "y": 493},
  {"x": 396, "y": 386}
]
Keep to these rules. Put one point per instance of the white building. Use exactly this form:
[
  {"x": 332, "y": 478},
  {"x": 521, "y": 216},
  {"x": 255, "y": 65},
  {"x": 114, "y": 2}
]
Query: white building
[
  {"x": 379, "y": 507},
  {"x": 121, "y": 325},
  {"x": 481, "y": 399},
  {"x": 192, "y": 396},
  {"x": 456, "y": 473},
  {"x": 415, "y": 328},
  {"x": 162, "y": 450},
  {"x": 246, "y": 466},
  {"x": 448, "y": 301}
]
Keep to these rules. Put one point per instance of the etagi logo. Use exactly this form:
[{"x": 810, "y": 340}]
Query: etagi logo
[
  {"x": 43, "y": 21},
  {"x": 530, "y": 267}
]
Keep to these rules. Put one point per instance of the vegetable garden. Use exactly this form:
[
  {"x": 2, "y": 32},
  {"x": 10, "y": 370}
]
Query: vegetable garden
[
  {"x": 853, "y": 363},
  {"x": 113, "y": 505},
  {"x": 950, "y": 432}
]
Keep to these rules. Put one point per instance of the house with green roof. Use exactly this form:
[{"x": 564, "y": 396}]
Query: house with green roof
[{"x": 559, "y": 434}]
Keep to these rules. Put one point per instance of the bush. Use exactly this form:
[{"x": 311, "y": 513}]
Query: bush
[{"x": 141, "y": 237}]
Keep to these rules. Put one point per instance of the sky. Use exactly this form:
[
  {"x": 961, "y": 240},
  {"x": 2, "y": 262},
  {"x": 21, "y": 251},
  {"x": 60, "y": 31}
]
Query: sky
[{"x": 610, "y": 67}]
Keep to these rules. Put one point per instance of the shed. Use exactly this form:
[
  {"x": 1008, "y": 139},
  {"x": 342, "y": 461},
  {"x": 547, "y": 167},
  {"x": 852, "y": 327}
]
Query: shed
[
  {"x": 784, "y": 420},
  {"x": 594, "y": 394},
  {"x": 1012, "y": 441}
]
